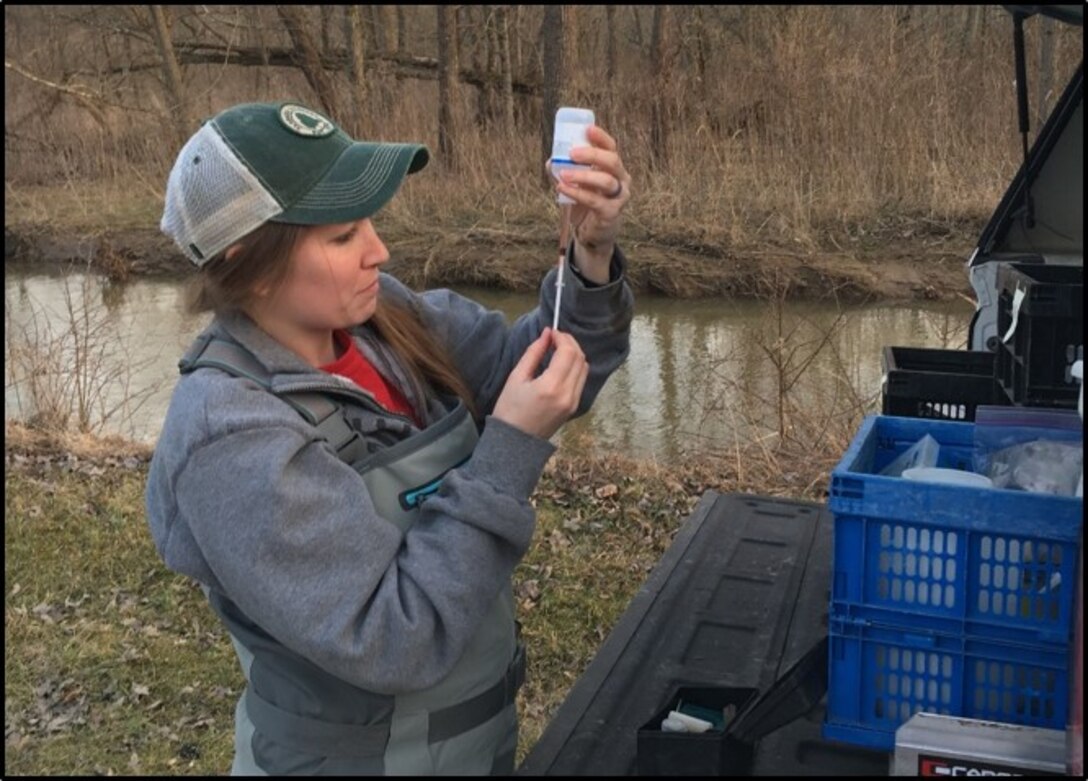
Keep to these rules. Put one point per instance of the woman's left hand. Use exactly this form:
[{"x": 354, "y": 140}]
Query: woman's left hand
[{"x": 599, "y": 195}]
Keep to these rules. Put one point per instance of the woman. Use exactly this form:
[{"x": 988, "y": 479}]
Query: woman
[{"x": 346, "y": 465}]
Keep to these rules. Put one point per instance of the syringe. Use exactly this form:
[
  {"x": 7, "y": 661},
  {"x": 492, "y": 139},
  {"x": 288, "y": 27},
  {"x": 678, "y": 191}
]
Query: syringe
[{"x": 564, "y": 240}]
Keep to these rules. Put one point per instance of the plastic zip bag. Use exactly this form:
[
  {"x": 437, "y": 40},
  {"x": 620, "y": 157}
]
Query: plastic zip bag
[
  {"x": 924, "y": 452},
  {"x": 1030, "y": 449}
]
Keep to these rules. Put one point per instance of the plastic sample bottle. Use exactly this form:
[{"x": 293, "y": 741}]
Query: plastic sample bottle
[{"x": 571, "y": 125}]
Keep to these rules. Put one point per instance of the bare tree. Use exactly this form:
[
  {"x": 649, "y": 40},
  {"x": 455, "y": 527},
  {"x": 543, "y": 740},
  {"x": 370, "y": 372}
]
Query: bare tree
[
  {"x": 356, "y": 35},
  {"x": 386, "y": 35},
  {"x": 610, "y": 46},
  {"x": 308, "y": 58},
  {"x": 83, "y": 95},
  {"x": 659, "y": 128},
  {"x": 570, "y": 51},
  {"x": 177, "y": 103},
  {"x": 462, "y": 24},
  {"x": 516, "y": 60},
  {"x": 481, "y": 62},
  {"x": 553, "y": 35},
  {"x": 373, "y": 43},
  {"x": 639, "y": 39},
  {"x": 494, "y": 66},
  {"x": 326, "y": 27},
  {"x": 702, "y": 48},
  {"x": 502, "y": 20},
  {"x": 132, "y": 66},
  {"x": 402, "y": 44},
  {"x": 446, "y": 87},
  {"x": 387, "y": 28}
]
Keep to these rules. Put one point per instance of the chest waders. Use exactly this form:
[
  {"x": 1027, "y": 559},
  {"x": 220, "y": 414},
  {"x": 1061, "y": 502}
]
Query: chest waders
[{"x": 294, "y": 717}]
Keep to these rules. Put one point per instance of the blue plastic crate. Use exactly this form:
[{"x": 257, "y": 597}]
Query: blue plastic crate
[
  {"x": 980, "y": 562},
  {"x": 881, "y": 676}
]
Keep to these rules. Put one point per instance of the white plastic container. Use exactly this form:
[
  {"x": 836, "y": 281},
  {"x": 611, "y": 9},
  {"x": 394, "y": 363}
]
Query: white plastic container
[
  {"x": 571, "y": 125},
  {"x": 936, "y": 474}
]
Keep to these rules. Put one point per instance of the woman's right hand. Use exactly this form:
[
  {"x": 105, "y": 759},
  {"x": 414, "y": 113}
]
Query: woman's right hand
[{"x": 540, "y": 405}]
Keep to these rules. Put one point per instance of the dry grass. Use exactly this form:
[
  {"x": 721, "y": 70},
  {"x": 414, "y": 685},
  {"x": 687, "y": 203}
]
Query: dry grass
[
  {"x": 93, "y": 447},
  {"x": 812, "y": 121},
  {"x": 77, "y": 206}
]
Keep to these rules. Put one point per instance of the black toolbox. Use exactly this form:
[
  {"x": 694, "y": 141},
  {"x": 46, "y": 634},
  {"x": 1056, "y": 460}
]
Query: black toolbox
[
  {"x": 711, "y": 753},
  {"x": 739, "y": 718}
]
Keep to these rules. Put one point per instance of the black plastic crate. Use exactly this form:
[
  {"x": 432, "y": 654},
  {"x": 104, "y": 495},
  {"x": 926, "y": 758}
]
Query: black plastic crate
[
  {"x": 940, "y": 384},
  {"x": 1033, "y": 366}
]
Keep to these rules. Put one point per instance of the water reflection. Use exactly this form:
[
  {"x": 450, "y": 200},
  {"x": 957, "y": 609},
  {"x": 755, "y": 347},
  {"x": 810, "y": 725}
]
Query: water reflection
[
  {"x": 699, "y": 372},
  {"x": 703, "y": 372}
]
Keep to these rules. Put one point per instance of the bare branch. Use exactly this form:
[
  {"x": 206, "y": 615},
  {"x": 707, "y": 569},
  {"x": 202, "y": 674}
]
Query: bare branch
[
  {"x": 406, "y": 66},
  {"x": 171, "y": 71},
  {"x": 87, "y": 99},
  {"x": 308, "y": 58},
  {"x": 204, "y": 24}
]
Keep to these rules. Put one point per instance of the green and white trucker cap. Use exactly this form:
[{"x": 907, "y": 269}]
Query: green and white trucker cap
[{"x": 279, "y": 162}]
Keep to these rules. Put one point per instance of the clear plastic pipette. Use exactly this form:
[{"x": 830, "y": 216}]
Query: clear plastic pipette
[{"x": 564, "y": 239}]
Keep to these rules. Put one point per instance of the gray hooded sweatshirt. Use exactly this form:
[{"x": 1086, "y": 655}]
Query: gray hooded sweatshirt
[{"x": 244, "y": 497}]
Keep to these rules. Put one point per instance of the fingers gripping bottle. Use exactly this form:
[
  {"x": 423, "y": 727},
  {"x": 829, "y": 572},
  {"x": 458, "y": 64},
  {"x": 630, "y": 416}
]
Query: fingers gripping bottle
[{"x": 571, "y": 125}]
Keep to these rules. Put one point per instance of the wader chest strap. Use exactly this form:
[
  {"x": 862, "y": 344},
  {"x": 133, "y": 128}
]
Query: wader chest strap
[
  {"x": 329, "y": 420},
  {"x": 321, "y": 412},
  {"x": 449, "y": 722},
  {"x": 314, "y": 736}
]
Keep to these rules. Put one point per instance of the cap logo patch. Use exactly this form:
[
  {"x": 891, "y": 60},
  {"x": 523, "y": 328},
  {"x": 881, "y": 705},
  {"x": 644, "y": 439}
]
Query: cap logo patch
[{"x": 304, "y": 122}]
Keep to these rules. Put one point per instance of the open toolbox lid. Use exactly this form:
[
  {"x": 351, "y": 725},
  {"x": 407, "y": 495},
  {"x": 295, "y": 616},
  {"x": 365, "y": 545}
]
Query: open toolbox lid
[
  {"x": 1052, "y": 221},
  {"x": 1040, "y": 217},
  {"x": 738, "y": 600}
]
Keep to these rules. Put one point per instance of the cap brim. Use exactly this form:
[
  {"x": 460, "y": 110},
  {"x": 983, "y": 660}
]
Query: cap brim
[{"x": 361, "y": 181}]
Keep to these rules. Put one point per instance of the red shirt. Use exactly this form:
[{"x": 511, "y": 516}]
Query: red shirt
[{"x": 358, "y": 369}]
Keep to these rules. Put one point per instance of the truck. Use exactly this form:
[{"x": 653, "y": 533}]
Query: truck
[{"x": 737, "y": 627}]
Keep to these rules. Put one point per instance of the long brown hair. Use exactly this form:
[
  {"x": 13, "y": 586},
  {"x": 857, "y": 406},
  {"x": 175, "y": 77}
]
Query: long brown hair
[{"x": 265, "y": 256}]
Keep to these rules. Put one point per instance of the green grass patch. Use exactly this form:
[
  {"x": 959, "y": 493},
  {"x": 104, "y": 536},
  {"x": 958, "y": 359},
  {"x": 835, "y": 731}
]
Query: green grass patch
[
  {"x": 115, "y": 665},
  {"x": 602, "y": 525}
]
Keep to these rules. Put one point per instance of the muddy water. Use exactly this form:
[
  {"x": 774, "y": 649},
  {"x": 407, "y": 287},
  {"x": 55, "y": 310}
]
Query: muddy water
[{"x": 700, "y": 373}]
